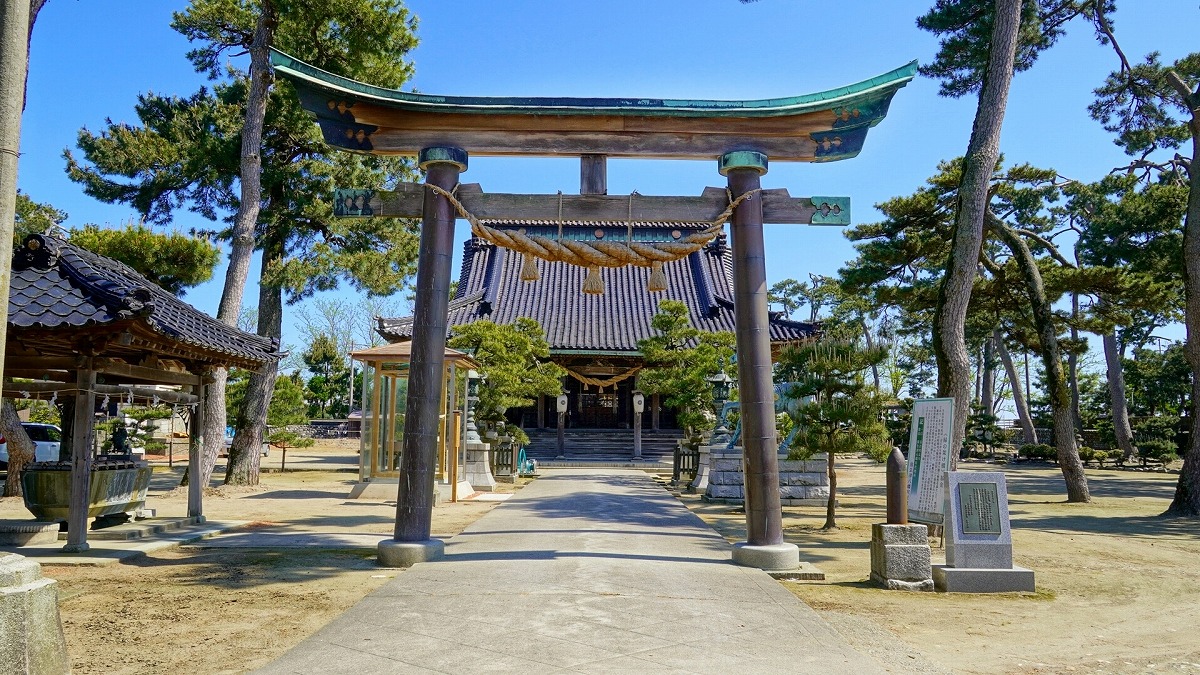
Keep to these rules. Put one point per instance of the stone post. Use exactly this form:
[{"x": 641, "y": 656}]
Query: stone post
[
  {"x": 32, "y": 640},
  {"x": 415, "y": 497},
  {"x": 764, "y": 546}
]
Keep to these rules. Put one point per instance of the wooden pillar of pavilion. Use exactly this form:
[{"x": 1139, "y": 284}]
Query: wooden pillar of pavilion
[
  {"x": 81, "y": 458},
  {"x": 195, "y": 507},
  {"x": 414, "y": 501},
  {"x": 764, "y": 546}
]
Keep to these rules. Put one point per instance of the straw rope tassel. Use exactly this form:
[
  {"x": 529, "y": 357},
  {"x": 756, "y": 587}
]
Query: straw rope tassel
[
  {"x": 529, "y": 270},
  {"x": 658, "y": 278},
  {"x": 593, "y": 284}
]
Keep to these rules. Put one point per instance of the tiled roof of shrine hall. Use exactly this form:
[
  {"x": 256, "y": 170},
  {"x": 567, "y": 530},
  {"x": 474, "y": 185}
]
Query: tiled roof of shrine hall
[
  {"x": 58, "y": 288},
  {"x": 490, "y": 287}
]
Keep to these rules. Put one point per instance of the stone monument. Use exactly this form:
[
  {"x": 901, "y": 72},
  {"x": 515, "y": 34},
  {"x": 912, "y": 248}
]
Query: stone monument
[
  {"x": 978, "y": 538},
  {"x": 900, "y": 556}
]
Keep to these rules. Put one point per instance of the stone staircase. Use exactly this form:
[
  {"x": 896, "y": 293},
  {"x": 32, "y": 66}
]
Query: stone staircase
[{"x": 593, "y": 447}]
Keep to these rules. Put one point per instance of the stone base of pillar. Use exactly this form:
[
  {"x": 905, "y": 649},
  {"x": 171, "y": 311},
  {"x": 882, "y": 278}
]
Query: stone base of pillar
[
  {"x": 33, "y": 637},
  {"x": 478, "y": 468},
  {"x": 900, "y": 557},
  {"x": 773, "y": 557},
  {"x": 394, "y": 553},
  {"x": 699, "y": 484}
]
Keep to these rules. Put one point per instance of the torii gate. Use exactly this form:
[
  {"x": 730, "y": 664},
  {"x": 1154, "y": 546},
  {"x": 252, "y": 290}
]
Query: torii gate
[{"x": 442, "y": 131}]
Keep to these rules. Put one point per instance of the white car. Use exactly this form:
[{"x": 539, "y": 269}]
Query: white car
[{"x": 46, "y": 439}]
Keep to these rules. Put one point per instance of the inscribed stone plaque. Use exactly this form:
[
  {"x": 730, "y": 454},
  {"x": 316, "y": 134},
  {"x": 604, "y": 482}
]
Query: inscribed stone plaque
[
  {"x": 929, "y": 458},
  {"x": 979, "y": 505},
  {"x": 977, "y": 527}
]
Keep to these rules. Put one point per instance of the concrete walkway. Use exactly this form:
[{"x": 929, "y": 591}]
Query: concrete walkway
[{"x": 582, "y": 571}]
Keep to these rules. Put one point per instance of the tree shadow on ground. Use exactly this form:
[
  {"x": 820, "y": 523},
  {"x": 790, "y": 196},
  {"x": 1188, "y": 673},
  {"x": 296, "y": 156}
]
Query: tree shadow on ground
[{"x": 1138, "y": 526}]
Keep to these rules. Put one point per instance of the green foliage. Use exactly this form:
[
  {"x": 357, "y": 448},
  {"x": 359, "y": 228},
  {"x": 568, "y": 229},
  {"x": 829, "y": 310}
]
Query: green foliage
[
  {"x": 845, "y": 414},
  {"x": 982, "y": 429},
  {"x": 1158, "y": 451},
  {"x": 185, "y": 151},
  {"x": 965, "y": 28},
  {"x": 287, "y": 403},
  {"x": 40, "y": 411},
  {"x": 1139, "y": 105},
  {"x": 34, "y": 218},
  {"x": 329, "y": 388},
  {"x": 141, "y": 434},
  {"x": 513, "y": 358},
  {"x": 1093, "y": 455},
  {"x": 679, "y": 361},
  {"x": 1037, "y": 451},
  {"x": 172, "y": 261},
  {"x": 1158, "y": 382}
]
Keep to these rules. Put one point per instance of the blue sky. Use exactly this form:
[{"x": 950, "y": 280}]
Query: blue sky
[{"x": 90, "y": 60}]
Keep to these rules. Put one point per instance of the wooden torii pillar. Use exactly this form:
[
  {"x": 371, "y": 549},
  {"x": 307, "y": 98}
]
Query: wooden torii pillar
[{"x": 818, "y": 127}]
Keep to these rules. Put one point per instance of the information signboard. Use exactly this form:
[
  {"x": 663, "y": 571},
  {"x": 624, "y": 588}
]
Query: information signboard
[{"x": 929, "y": 459}]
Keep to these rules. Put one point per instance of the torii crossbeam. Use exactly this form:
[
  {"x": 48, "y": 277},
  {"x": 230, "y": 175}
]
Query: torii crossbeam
[{"x": 442, "y": 131}]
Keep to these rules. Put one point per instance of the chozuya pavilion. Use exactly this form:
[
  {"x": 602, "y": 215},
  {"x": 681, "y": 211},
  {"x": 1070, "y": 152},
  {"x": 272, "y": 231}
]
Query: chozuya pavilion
[{"x": 656, "y": 234}]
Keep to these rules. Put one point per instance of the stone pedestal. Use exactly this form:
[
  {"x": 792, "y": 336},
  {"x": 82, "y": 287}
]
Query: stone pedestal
[
  {"x": 978, "y": 538},
  {"x": 394, "y": 553},
  {"x": 801, "y": 482},
  {"x": 982, "y": 580},
  {"x": 770, "y": 558},
  {"x": 703, "y": 466},
  {"x": 478, "y": 468},
  {"x": 32, "y": 640},
  {"x": 900, "y": 558}
]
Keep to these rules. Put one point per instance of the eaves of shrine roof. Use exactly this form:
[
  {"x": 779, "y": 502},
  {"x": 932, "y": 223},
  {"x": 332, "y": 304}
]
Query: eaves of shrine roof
[{"x": 58, "y": 288}]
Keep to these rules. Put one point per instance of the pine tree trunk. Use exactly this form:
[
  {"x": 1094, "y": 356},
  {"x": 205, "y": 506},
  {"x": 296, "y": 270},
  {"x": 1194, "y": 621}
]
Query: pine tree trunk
[
  {"x": 1116, "y": 393},
  {"x": 1187, "y": 492},
  {"x": 242, "y": 246},
  {"x": 983, "y": 150},
  {"x": 20, "y": 448},
  {"x": 987, "y": 396},
  {"x": 1018, "y": 391},
  {"x": 1056, "y": 381},
  {"x": 866, "y": 329},
  {"x": 831, "y": 503},
  {"x": 245, "y": 453},
  {"x": 1073, "y": 366}
]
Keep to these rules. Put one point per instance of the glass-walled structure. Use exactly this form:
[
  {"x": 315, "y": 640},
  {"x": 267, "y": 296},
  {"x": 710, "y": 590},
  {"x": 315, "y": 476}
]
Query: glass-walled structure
[{"x": 385, "y": 392}]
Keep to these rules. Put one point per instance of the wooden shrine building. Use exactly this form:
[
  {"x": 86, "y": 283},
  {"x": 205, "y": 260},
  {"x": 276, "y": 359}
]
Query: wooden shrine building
[
  {"x": 89, "y": 330},
  {"x": 595, "y": 336}
]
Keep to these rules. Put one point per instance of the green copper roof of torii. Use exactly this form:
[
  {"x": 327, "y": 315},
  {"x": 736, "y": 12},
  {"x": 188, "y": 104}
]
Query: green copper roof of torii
[{"x": 879, "y": 86}]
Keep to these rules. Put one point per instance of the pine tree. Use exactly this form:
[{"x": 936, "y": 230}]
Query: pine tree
[{"x": 844, "y": 414}]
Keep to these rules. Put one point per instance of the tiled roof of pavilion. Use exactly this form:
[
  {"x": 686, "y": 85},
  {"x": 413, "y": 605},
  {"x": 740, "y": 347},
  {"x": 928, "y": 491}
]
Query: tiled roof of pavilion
[
  {"x": 57, "y": 288},
  {"x": 490, "y": 287}
]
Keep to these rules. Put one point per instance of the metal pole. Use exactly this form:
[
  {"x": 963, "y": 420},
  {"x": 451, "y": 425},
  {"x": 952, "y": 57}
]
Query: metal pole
[
  {"x": 764, "y": 512},
  {"x": 414, "y": 501},
  {"x": 14, "y": 46}
]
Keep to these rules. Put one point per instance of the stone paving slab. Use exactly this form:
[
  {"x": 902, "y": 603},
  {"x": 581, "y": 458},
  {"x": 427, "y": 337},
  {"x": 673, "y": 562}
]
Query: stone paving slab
[{"x": 582, "y": 571}]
